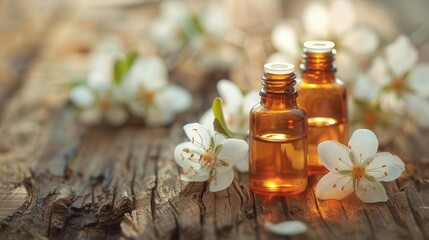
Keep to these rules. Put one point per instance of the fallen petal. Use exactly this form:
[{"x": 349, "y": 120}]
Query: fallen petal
[{"x": 287, "y": 228}]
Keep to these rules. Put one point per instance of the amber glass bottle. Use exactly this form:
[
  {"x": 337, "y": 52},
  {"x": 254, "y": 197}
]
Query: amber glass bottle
[
  {"x": 278, "y": 136},
  {"x": 324, "y": 98}
]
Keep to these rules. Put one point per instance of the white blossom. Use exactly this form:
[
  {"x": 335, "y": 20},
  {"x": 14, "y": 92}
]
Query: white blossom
[
  {"x": 357, "y": 168},
  {"x": 208, "y": 157},
  {"x": 149, "y": 94},
  {"x": 336, "y": 22},
  {"x": 236, "y": 108},
  {"x": 202, "y": 31},
  {"x": 98, "y": 99},
  {"x": 402, "y": 83}
]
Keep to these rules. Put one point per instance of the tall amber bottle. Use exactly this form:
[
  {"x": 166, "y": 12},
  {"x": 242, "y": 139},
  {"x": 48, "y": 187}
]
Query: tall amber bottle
[
  {"x": 324, "y": 98},
  {"x": 278, "y": 136}
]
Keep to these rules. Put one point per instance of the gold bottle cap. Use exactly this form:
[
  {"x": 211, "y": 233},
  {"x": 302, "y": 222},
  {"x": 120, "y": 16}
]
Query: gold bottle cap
[
  {"x": 319, "y": 46},
  {"x": 279, "y": 68}
]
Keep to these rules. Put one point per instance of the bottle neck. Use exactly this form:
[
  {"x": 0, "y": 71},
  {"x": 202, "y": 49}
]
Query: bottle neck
[
  {"x": 318, "y": 67},
  {"x": 278, "y": 91}
]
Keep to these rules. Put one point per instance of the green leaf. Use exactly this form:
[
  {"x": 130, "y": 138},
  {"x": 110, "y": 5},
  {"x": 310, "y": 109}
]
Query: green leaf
[
  {"x": 72, "y": 84},
  {"x": 131, "y": 58},
  {"x": 119, "y": 70},
  {"x": 218, "y": 111},
  {"x": 195, "y": 25},
  {"x": 218, "y": 127},
  {"x": 122, "y": 66}
]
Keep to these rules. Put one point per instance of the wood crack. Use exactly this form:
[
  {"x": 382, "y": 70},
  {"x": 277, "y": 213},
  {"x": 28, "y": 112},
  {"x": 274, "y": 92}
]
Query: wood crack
[{"x": 321, "y": 216}]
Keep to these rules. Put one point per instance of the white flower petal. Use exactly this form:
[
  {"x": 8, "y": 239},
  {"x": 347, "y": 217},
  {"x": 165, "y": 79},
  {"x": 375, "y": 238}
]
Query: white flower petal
[
  {"x": 219, "y": 138},
  {"x": 243, "y": 165},
  {"x": 287, "y": 228},
  {"x": 176, "y": 11},
  {"x": 221, "y": 181},
  {"x": 334, "y": 156},
  {"x": 164, "y": 32},
  {"x": 116, "y": 116},
  {"x": 334, "y": 186},
  {"x": 285, "y": 39},
  {"x": 106, "y": 51},
  {"x": 100, "y": 80},
  {"x": 378, "y": 73},
  {"x": 137, "y": 108},
  {"x": 391, "y": 102},
  {"x": 198, "y": 134},
  {"x": 81, "y": 96},
  {"x": 232, "y": 151},
  {"x": 316, "y": 19},
  {"x": 157, "y": 117},
  {"x": 342, "y": 17},
  {"x": 149, "y": 73},
  {"x": 173, "y": 98},
  {"x": 371, "y": 192},
  {"x": 362, "y": 40},
  {"x": 207, "y": 120},
  {"x": 419, "y": 79},
  {"x": 386, "y": 158},
  {"x": 91, "y": 116},
  {"x": 250, "y": 100},
  {"x": 231, "y": 96},
  {"x": 187, "y": 155},
  {"x": 418, "y": 108},
  {"x": 401, "y": 56},
  {"x": 348, "y": 69},
  {"x": 364, "y": 144},
  {"x": 385, "y": 173},
  {"x": 214, "y": 19},
  {"x": 194, "y": 178},
  {"x": 363, "y": 90}
]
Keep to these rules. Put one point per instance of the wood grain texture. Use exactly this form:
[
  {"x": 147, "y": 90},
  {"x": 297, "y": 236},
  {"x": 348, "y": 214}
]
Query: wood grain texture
[{"x": 60, "y": 180}]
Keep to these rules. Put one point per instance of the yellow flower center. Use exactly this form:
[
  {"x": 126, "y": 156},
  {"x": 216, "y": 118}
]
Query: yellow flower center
[
  {"x": 105, "y": 104},
  {"x": 148, "y": 96},
  {"x": 207, "y": 158},
  {"x": 398, "y": 85},
  {"x": 358, "y": 172}
]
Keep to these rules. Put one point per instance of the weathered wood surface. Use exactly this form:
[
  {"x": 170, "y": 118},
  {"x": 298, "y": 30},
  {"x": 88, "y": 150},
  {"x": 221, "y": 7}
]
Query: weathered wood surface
[{"x": 60, "y": 180}]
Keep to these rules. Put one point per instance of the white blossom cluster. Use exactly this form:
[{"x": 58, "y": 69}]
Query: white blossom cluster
[
  {"x": 119, "y": 85},
  {"x": 387, "y": 85}
]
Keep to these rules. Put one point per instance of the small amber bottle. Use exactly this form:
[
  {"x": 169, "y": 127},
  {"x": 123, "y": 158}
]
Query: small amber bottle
[
  {"x": 324, "y": 98},
  {"x": 278, "y": 136}
]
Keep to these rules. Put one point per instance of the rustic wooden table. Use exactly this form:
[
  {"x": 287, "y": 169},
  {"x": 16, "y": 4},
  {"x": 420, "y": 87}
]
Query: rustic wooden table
[{"x": 61, "y": 180}]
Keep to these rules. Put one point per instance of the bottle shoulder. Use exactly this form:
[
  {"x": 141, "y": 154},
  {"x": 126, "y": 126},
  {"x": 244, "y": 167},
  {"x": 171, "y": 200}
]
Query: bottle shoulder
[
  {"x": 260, "y": 109},
  {"x": 337, "y": 86}
]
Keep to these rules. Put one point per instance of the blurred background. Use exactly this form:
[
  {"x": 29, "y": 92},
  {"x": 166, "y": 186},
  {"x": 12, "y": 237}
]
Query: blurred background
[{"x": 202, "y": 42}]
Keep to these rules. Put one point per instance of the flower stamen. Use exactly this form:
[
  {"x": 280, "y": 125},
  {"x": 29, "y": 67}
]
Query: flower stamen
[{"x": 358, "y": 172}]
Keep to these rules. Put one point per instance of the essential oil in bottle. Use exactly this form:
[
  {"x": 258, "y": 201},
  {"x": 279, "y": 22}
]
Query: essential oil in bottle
[
  {"x": 278, "y": 136},
  {"x": 324, "y": 99}
]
